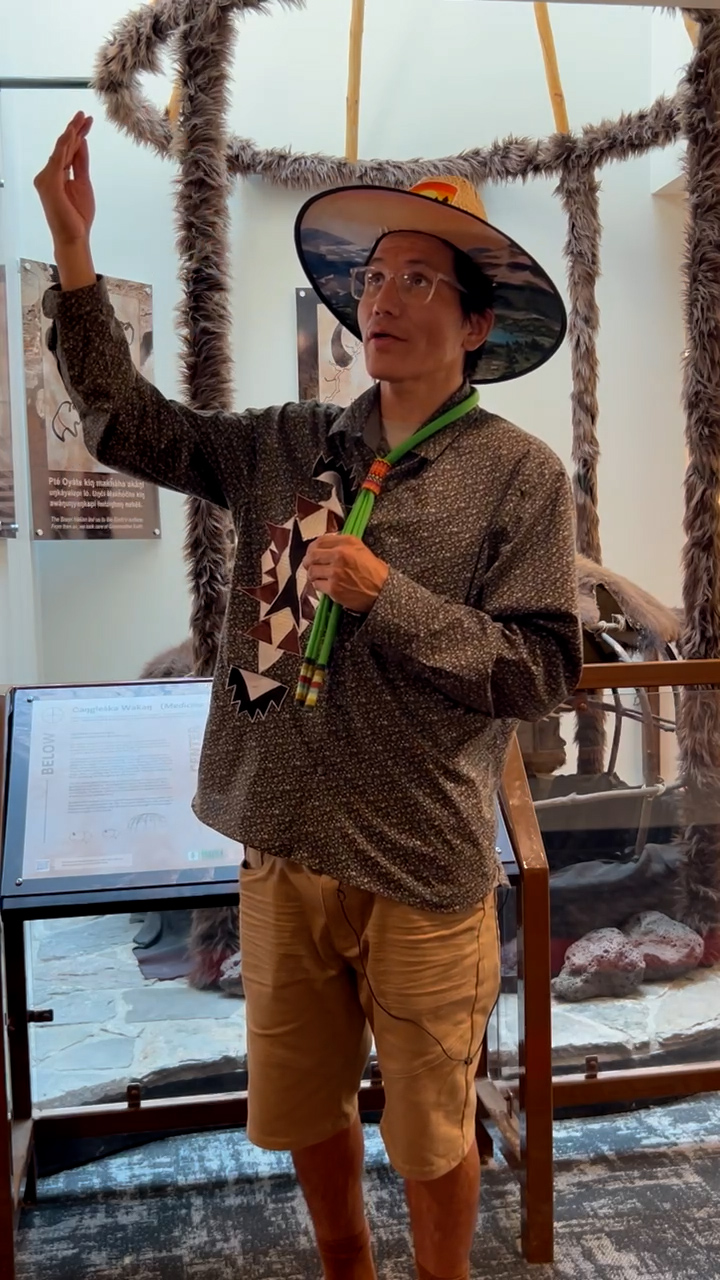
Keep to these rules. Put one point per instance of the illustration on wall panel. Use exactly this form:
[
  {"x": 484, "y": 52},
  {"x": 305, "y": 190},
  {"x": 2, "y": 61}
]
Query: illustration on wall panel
[
  {"x": 331, "y": 364},
  {"x": 73, "y": 496}
]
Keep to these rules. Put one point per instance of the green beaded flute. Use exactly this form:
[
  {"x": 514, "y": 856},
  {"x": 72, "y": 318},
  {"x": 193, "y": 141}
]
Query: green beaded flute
[{"x": 327, "y": 615}]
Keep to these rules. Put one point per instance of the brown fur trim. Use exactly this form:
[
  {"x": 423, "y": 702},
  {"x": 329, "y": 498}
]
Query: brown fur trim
[
  {"x": 214, "y": 938},
  {"x": 135, "y": 47},
  {"x": 507, "y": 160},
  {"x": 136, "y": 44},
  {"x": 204, "y": 60},
  {"x": 578, "y": 190},
  {"x": 171, "y": 664},
  {"x": 656, "y": 624},
  {"x": 699, "y": 729}
]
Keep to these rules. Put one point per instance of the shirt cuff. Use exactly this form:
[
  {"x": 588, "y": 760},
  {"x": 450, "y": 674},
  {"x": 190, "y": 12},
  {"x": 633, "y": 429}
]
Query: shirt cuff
[
  {"x": 397, "y": 616},
  {"x": 57, "y": 303}
]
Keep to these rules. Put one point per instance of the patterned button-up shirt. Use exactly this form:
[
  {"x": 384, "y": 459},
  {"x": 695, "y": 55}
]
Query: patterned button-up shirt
[{"x": 390, "y": 783}]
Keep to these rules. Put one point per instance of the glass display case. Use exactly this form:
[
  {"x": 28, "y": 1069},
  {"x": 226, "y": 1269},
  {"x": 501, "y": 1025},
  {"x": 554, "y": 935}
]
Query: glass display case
[
  {"x": 626, "y": 997},
  {"x": 634, "y": 872},
  {"x": 607, "y": 921}
]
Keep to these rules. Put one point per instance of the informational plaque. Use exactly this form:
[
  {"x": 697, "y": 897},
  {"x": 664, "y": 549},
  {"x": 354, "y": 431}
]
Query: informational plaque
[
  {"x": 8, "y": 523},
  {"x": 73, "y": 496},
  {"x": 331, "y": 361},
  {"x": 101, "y": 783}
]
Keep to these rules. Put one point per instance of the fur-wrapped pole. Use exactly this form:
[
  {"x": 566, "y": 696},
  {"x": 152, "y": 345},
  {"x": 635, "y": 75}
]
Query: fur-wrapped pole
[
  {"x": 135, "y": 47},
  {"x": 204, "y": 57},
  {"x": 699, "y": 729},
  {"x": 579, "y": 190}
]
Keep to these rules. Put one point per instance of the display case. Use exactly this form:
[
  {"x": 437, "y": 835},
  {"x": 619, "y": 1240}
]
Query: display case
[
  {"x": 634, "y": 859},
  {"x": 629, "y": 852}
]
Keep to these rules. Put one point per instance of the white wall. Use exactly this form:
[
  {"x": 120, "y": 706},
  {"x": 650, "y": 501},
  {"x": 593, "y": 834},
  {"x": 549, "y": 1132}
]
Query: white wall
[
  {"x": 671, "y": 51},
  {"x": 103, "y": 608},
  {"x": 485, "y": 78}
]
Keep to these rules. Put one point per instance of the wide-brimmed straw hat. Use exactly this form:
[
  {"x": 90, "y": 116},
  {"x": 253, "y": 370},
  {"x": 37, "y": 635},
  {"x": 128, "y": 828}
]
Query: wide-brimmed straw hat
[{"x": 338, "y": 230}]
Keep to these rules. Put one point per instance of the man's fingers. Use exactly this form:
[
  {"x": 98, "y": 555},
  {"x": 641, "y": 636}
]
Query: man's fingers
[
  {"x": 81, "y": 160},
  {"x": 332, "y": 543},
  {"x": 69, "y": 140},
  {"x": 58, "y": 163},
  {"x": 320, "y": 556}
]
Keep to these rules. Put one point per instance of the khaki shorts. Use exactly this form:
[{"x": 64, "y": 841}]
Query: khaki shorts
[{"x": 325, "y": 968}]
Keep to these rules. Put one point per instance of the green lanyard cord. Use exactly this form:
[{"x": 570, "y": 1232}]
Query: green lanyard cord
[{"x": 327, "y": 614}]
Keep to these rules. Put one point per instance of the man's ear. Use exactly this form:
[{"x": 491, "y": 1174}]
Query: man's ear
[{"x": 479, "y": 326}]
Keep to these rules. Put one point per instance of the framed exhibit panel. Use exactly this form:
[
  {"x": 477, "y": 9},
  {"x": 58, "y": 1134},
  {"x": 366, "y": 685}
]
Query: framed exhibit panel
[
  {"x": 100, "y": 781},
  {"x": 73, "y": 495}
]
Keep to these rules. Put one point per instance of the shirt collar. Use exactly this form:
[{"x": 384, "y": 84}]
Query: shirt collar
[{"x": 361, "y": 420}]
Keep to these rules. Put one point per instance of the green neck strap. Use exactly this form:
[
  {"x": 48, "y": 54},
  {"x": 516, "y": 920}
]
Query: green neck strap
[
  {"x": 431, "y": 428},
  {"x": 327, "y": 615}
]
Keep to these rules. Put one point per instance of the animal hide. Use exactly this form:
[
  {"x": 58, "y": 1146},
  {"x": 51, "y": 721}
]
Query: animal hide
[
  {"x": 656, "y": 625},
  {"x": 171, "y": 664}
]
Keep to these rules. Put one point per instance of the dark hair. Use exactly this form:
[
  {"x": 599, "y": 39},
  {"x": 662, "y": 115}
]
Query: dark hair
[{"x": 477, "y": 299}]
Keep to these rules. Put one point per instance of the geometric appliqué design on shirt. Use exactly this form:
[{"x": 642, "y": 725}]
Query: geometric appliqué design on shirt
[
  {"x": 254, "y": 695},
  {"x": 286, "y": 600},
  {"x": 333, "y": 471}
]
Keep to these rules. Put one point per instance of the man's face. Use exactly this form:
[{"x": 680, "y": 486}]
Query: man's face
[{"x": 406, "y": 339}]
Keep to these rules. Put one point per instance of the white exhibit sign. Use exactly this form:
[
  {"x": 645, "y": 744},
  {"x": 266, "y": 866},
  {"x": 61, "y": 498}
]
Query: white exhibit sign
[{"x": 110, "y": 784}]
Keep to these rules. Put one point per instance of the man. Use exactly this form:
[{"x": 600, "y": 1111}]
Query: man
[{"x": 367, "y": 894}]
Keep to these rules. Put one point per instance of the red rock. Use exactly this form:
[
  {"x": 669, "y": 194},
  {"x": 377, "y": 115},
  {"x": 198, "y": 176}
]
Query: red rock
[
  {"x": 711, "y": 953},
  {"x": 558, "y": 951},
  {"x": 603, "y": 963},
  {"x": 669, "y": 948}
]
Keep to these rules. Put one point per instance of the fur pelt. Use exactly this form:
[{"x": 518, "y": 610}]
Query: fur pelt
[
  {"x": 656, "y": 625},
  {"x": 699, "y": 730},
  {"x": 171, "y": 664},
  {"x": 214, "y": 939}
]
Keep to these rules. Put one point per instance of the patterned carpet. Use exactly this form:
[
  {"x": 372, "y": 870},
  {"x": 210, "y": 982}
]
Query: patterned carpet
[{"x": 638, "y": 1198}]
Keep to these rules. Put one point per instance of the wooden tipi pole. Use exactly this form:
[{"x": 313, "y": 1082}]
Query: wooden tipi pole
[
  {"x": 357, "y": 28},
  {"x": 552, "y": 72}
]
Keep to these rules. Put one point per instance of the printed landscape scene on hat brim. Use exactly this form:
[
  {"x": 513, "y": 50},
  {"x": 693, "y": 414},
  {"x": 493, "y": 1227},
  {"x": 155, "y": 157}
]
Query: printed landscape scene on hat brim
[{"x": 528, "y": 310}]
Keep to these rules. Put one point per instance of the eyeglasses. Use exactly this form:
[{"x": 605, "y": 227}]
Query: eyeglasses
[{"x": 413, "y": 286}]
